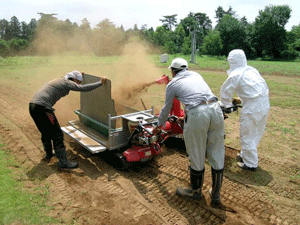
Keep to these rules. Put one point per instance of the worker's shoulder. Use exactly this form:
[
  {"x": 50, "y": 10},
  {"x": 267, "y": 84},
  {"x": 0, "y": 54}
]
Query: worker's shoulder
[
  {"x": 192, "y": 72},
  {"x": 57, "y": 80},
  {"x": 61, "y": 83}
]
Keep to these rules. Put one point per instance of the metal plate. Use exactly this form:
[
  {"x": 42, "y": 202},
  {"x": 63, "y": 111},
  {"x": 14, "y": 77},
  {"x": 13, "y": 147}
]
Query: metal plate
[
  {"x": 138, "y": 117},
  {"x": 84, "y": 140},
  {"x": 97, "y": 103}
]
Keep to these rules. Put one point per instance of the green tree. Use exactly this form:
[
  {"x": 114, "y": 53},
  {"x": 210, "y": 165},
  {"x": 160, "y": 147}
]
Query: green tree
[
  {"x": 270, "y": 37},
  {"x": 148, "y": 35},
  {"x": 212, "y": 44},
  {"x": 169, "y": 21},
  {"x": 293, "y": 43},
  {"x": 159, "y": 36},
  {"x": 4, "y": 48},
  {"x": 46, "y": 21},
  {"x": 17, "y": 45},
  {"x": 32, "y": 28},
  {"x": 296, "y": 31},
  {"x": 203, "y": 22},
  {"x": 296, "y": 46},
  {"x": 179, "y": 36},
  {"x": 292, "y": 51},
  {"x": 4, "y": 29},
  {"x": 220, "y": 13},
  {"x": 24, "y": 30},
  {"x": 294, "y": 34},
  {"x": 199, "y": 23},
  {"x": 15, "y": 28},
  {"x": 233, "y": 34},
  {"x": 189, "y": 24},
  {"x": 186, "y": 47},
  {"x": 169, "y": 47}
]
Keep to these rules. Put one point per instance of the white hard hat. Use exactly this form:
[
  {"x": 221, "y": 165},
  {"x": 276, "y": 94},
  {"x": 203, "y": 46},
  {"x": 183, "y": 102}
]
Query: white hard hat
[
  {"x": 179, "y": 64},
  {"x": 75, "y": 75}
]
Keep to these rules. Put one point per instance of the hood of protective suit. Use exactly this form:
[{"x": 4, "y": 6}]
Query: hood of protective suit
[{"x": 236, "y": 59}]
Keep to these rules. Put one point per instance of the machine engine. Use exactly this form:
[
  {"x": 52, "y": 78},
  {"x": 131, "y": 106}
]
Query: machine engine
[
  {"x": 143, "y": 144},
  {"x": 142, "y": 135}
]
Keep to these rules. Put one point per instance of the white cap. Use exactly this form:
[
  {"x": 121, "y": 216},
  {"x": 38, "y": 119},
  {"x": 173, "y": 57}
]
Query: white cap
[
  {"x": 179, "y": 64},
  {"x": 75, "y": 75}
]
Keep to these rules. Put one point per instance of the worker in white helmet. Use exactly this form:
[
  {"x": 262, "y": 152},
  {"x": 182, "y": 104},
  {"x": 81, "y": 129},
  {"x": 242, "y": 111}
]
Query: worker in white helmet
[
  {"x": 253, "y": 91},
  {"x": 203, "y": 128},
  {"x": 41, "y": 111}
]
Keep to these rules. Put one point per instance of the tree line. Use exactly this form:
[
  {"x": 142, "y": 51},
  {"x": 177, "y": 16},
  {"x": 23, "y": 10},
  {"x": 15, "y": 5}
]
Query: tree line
[{"x": 265, "y": 38}]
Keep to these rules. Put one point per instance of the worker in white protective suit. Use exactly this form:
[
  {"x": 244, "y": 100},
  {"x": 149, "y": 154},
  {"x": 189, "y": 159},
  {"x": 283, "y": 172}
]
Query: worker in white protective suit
[{"x": 253, "y": 91}]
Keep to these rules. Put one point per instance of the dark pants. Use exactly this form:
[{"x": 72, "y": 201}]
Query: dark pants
[{"x": 49, "y": 127}]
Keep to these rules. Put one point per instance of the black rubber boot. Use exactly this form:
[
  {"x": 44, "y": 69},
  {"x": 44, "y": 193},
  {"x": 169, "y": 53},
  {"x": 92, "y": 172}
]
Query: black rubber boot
[
  {"x": 63, "y": 160},
  {"x": 195, "y": 191},
  {"x": 217, "y": 178},
  {"x": 48, "y": 149}
]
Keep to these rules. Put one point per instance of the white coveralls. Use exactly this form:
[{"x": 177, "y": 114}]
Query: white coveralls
[{"x": 253, "y": 91}]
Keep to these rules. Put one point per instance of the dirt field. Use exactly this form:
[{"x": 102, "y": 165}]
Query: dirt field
[{"x": 97, "y": 193}]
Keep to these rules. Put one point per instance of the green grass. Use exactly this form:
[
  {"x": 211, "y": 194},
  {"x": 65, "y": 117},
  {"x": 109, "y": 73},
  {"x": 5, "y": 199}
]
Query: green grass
[
  {"x": 282, "y": 77},
  {"x": 289, "y": 69},
  {"x": 21, "y": 61},
  {"x": 40, "y": 61},
  {"x": 18, "y": 206},
  {"x": 283, "y": 129}
]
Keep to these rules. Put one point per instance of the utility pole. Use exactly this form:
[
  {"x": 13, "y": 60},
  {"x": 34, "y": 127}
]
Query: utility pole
[{"x": 193, "y": 54}]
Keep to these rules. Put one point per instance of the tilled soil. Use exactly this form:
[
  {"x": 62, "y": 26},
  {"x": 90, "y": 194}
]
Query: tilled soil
[{"x": 97, "y": 193}]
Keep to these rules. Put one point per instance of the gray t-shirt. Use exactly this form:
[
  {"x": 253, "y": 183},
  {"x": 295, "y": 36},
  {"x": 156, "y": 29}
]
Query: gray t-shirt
[
  {"x": 51, "y": 92},
  {"x": 189, "y": 88}
]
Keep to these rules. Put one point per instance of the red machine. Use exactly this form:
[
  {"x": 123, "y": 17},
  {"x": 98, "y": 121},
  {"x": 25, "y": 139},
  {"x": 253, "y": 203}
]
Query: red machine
[
  {"x": 173, "y": 126},
  {"x": 143, "y": 144},
  {"x": 134, "y": 141}
]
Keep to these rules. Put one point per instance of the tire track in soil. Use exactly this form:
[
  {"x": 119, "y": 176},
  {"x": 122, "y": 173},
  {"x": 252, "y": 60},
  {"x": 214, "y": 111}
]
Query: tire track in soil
[
  {"x": 158, "y": 184},
  {"x": 286, "y": 211},
  {"x": 12, "y": 124}
]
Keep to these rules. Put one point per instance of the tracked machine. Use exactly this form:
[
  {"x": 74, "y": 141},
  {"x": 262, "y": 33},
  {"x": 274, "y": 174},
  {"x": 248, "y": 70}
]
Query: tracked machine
[{"x": 128, "y": 136}]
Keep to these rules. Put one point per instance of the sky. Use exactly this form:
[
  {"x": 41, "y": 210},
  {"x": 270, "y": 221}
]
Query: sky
[{"x": 139, "y": 12}]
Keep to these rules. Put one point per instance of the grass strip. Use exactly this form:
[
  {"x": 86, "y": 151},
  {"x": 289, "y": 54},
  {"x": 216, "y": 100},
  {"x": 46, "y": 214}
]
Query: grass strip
[{"x": 18, "y": 206}]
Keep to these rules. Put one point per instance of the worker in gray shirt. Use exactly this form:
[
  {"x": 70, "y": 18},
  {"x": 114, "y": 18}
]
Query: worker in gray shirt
[
  {"x": 203, "y": 128},
  {"x": 41, "y": 111}
]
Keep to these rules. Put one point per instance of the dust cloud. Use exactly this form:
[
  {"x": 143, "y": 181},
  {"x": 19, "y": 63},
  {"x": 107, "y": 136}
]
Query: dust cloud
[
  {"x": 55, "y": 39},
  {"x": 136, "y": 75}
]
